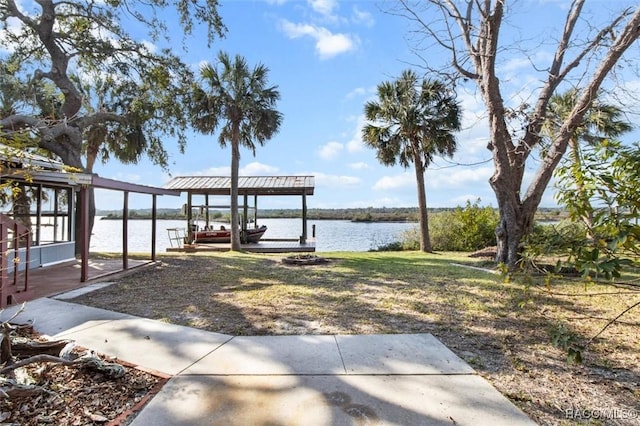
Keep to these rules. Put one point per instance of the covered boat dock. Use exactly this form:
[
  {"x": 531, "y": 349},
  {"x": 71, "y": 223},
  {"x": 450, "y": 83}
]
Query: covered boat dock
[{"x": 249, "y": 189}]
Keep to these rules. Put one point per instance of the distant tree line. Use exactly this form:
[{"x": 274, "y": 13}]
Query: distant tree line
[
  {"x": 369, "y": 214},
  {"x": 396, "y": 214}
]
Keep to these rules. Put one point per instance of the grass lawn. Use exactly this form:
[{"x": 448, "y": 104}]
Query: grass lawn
[{"x": 505, "y": 330}]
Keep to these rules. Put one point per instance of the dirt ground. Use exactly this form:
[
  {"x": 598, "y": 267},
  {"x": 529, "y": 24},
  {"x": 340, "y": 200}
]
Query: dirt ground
[
  {"x": 51, "y": 393},
  {"x": 504, "y": 330}
]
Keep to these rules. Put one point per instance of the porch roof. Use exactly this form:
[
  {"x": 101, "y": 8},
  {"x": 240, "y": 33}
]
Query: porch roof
[{"x": 23, "y": 165}]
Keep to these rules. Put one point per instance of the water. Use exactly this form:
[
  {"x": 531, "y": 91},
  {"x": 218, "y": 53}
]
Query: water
[{"x": 331, "y": 235}]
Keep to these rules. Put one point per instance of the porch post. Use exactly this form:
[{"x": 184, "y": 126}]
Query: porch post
[
  {"x": 84, "y": 233},
  {"x": 154, "y": 218},
  {"x": 255, "y": 211},
  {"x": 38, "y": 215},
  {"x": 125, "y": 230},
  {"x": 303, "y": 238},
  {"x": 245, "y": 212},
  {"x": 190, "y": 234},
  {"x": 206, "y": 213}
]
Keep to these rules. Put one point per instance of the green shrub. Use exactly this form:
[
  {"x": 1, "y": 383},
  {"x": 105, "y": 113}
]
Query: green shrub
[
  {"x": 394, "y": 246},
  {"x": 411, "y": 239},
  {"x": 556, "y": 238},
  {"x": 466, "y": 228}
]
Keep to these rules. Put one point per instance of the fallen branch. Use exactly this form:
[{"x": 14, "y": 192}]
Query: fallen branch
[
  {"x": 16, "y": 313},
  {"x": 89, "y": 360},
  {"x": 34, "y": 359},
  {"x": 12, "y": 389},
  {"x": 613, "y": 321},
  {"x": 28, "y": 349},
  {"x": 589, "y": 317}
]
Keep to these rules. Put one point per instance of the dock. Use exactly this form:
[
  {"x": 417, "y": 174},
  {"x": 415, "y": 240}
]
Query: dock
[{"x": 264, "y": 246}]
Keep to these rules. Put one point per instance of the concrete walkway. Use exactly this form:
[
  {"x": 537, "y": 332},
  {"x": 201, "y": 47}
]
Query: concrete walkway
[{"x": 284, "y": 380}]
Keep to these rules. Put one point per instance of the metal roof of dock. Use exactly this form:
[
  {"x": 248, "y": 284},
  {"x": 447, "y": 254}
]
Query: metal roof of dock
[{"x": 251, "y": 185}]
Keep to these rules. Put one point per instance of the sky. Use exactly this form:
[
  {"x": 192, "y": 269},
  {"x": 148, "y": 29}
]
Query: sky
[{"x": 327, "y": 57}]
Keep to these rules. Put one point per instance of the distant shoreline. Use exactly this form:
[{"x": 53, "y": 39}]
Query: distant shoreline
[{"x": 383, "y": 214}]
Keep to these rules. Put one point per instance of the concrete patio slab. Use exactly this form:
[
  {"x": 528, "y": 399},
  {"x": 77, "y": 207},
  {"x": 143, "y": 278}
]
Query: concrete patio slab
[
  {"x": 167, "y": 348},
  {"x": 399, "y": 354},
  {"x": 52, "y": 317},
  {"x": 82, "y": 290},
  {"x": 330, "y": 401},
  {"x": 260, "y": 355},
  {"x": 284, "y": 380}
]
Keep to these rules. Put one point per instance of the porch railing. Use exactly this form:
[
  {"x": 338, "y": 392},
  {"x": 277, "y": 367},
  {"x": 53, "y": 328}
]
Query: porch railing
[{"x": 12, "y": 282}]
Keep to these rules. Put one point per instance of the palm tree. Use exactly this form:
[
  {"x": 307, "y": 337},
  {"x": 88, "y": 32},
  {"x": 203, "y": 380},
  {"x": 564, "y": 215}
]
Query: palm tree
[
  {"x": 601, "y": 122},
  {"x": 413, "y": 121},
  {"x": 241, "y": 98}
]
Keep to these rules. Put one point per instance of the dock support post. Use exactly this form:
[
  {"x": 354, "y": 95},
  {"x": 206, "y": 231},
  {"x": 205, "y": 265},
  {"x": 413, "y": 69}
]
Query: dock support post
[{"x": 303, "y": 237}]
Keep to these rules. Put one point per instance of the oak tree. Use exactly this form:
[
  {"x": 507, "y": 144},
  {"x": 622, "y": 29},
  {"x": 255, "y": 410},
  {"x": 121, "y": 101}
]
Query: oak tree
[
  {"x": 115, "y": 93},
  {"x": 586, "y": 53}
]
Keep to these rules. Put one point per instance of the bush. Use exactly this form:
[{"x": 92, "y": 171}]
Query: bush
[
  {"x": 394, "y": 246},
  {"x": 462, "y": 229},
  {"x": 557, "y": 239}
]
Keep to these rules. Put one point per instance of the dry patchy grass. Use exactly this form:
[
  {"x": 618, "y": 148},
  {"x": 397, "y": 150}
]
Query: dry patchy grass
[{"x": 504, "y": 330}]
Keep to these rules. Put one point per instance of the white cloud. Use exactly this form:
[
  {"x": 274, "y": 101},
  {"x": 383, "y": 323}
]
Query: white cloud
[
  {"x": 387, "y": 183},
  {"x": 362, "y": 17},
  {"x": 515, "y": 65},
  {"x": 336, "y": 181},
  {"x": 457, "y": 178},
  {"x": 252, "y": 169},
  {"x": 211, "y": 171},
  {"x": 328, "y": 44},
  {"x": 323, "y": 7},
  {"x": 355, "y": 144},
  {"x": 445, "y": 179},
  {"x": 258, "y": 169},
  {"x": 470, "y": 151},
  {"x": 359, "y": 166},
  {"x": 357, "y": 93},
  {"x": 330, "y": 150}
]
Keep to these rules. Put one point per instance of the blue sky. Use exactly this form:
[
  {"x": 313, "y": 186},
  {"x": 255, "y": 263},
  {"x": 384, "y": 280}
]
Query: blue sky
[{"x": 326, "y": 57}]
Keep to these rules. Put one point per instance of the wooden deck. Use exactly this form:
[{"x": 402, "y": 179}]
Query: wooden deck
[
  {"x": 264, "y": 246},
  {"x": 52, "y": 280}
]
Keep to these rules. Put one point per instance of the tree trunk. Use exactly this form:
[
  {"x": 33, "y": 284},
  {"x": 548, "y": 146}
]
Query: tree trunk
[
  {"x": 425, "y": 241},
  {"x": 235, "y": 217},
  {"x": 68, "y": 150},
  {"x": 476, "y": 60},
  {"x": 509, "y": 233},
  {"x": 78, "y": 220}
]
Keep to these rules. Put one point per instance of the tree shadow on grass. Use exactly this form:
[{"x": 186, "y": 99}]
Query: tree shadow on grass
[{"x": 502, "y": 329}]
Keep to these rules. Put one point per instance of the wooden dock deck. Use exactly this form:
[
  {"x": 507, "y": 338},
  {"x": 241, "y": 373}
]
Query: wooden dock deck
[
  {"x": 52, "y": 280},
  {"x": 264, "y": 246}
]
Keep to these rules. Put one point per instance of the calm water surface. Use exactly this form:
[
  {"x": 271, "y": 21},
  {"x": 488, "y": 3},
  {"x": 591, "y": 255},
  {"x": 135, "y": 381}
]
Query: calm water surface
[{"x": 331, "y": 235}]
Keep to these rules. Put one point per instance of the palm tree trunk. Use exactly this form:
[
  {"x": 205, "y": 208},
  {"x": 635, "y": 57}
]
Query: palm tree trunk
[
  {"x": 235, "y": 218},
  {"x": 425, "y": 240}
]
